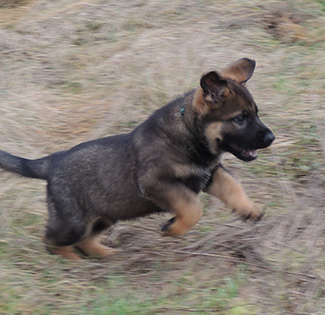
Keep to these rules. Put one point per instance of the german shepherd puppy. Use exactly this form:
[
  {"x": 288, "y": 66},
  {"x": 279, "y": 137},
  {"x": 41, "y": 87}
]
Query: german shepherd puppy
[{"x": 162, "y": 165}]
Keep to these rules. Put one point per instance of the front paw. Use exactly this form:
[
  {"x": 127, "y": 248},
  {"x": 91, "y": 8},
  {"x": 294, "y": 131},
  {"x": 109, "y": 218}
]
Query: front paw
[
  {"x": 175, "y": 227},
  {"x": 250, "y": 212},
  {"x": 166, "y": 228}
]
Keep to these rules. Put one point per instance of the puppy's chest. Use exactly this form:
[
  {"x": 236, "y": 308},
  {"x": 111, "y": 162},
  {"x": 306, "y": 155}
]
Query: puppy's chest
[{"x": 197, "y": 180}]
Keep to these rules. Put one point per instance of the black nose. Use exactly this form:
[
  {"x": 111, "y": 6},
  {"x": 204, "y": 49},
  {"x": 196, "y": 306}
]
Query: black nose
[{"x": 268, "y": 136}]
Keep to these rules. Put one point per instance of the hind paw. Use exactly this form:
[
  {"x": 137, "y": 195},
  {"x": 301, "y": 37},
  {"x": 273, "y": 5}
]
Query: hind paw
[{"x": 92, "y": 247}]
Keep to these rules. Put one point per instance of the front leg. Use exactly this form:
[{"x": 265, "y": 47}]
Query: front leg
[
  {"x": 181, "y": 201},
  {"x": 188, "y": 211},
  {"x": 229, "y": 190}
]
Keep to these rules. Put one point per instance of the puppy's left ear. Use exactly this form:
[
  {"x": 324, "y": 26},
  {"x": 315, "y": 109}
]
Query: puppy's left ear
[
  {"x": 240, "y": 71},
  {"x": 214, "y": 88}
]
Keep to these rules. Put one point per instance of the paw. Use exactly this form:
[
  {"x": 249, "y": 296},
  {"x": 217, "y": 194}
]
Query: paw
[
  {"x": 250, "y": 212},
  {"x": 93, "y": 248},
  {"x": 175, "y": 227},
  {"x": 166, "y": 228},
  {"x": 106, "y": 252}
]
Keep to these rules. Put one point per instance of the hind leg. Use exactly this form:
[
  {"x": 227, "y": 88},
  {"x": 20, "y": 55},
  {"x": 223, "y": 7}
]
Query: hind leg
[
  {"x": 92, "y": 247},
  {"x": 67, "y": 226},
  {"x": 91, "y": 244},
  {"x": 66, "y": 252},
  {"x": 84, "y": 239},
  {"x": 53, "y": 239}
]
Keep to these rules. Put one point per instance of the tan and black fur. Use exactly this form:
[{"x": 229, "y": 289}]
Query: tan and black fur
[{"x": 162, "y": 165}]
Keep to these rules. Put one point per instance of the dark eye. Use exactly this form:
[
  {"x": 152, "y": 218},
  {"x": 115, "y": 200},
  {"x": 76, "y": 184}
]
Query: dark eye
[{"x": 239, "y": 119}]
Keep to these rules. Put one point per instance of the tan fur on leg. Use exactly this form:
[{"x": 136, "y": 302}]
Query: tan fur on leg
[
  {"x": 188, "y": 212},
  {"x": 227, "y": 189},
  {"x": 65, "y": 252},
  {"x": 92, "y": 247}
]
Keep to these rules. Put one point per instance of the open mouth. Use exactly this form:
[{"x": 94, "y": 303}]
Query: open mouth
[
  {"x": 250, "y": 154},
  {"x": 243, "y": 154}
]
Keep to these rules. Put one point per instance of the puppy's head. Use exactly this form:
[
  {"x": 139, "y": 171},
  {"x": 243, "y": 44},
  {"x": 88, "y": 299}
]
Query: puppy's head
[{"x": 228, "y": 113}]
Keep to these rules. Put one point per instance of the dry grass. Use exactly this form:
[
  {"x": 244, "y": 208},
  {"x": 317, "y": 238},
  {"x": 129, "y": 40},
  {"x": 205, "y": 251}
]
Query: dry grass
[{"x": 75, "y": 70}]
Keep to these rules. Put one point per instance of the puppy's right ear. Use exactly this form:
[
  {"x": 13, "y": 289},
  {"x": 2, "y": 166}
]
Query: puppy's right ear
[{"x": 214, "y": 88}]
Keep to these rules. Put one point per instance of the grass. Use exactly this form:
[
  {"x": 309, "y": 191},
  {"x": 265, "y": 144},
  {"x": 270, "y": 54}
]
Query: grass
[
  {"x": 115, "y": 295},
  {"x": 73, "y": 71}
]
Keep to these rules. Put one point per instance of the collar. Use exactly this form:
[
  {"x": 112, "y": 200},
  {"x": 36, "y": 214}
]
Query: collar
[{"x": 194, "y": 134}]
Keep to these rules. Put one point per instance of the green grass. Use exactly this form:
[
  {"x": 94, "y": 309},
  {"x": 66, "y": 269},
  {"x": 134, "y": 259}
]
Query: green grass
[
  {"x": 322, "y": 4},
  {"x": 117, "y": 295}
]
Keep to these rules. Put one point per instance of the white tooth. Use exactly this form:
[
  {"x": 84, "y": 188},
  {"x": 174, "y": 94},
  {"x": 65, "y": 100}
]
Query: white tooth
[{"x": 253, "y": 153}]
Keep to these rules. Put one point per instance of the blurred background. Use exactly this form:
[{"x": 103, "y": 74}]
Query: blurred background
[{"x": 76, "y": 70}]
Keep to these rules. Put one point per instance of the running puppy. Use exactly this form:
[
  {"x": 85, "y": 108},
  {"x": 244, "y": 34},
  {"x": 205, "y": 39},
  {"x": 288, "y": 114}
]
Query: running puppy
[{"x": 162, "y": 165}]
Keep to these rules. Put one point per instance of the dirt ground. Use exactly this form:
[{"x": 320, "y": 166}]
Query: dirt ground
[{"x": 76, "y": 70}]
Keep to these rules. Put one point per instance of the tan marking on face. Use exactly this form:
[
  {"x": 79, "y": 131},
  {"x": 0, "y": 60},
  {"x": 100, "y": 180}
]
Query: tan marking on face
[
  {"x": 232, "y": 115},
  {"x": 213, "y": 131},
  {"x": 238, "y": 100}
]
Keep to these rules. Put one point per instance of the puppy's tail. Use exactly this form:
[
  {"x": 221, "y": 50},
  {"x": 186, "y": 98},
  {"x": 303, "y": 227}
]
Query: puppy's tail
[{"x": 29, "y": 168}]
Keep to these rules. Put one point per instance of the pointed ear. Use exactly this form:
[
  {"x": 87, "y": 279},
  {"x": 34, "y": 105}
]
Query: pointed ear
[
  {"x": 240, "y": 71},
  {"x": 214, "y": 88}
]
